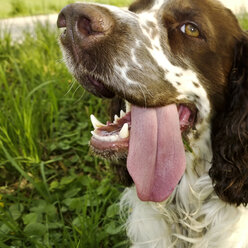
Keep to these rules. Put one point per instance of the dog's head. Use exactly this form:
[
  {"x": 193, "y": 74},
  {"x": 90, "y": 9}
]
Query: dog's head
[{"x": 181, "y": 67}]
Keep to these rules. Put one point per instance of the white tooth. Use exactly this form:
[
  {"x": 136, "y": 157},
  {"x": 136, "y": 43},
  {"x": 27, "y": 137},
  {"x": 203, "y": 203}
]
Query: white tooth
[
  {"x": 124, "y": 133},
  {"x": 128, "y": 106},
  {"x": 93, "y": 133},
  {"x": 122, "y": 113},
  {"x": 116, "y": 118},
  {"x": 111, "y": 138},
  {"x": 96, "y": 123}
]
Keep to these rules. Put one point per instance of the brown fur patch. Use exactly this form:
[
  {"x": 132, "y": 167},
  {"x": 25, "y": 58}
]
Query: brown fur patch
[{"x": 141, "y": 5}]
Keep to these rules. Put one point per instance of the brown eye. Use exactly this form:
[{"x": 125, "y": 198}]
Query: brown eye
[{"x": 190, "y": 30}]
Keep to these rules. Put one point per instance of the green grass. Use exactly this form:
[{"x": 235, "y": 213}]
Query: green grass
[
  {"x": 12, "y": 8},
  {"x": 53, "y": 192},
  {"x": 243, "y": 20}
]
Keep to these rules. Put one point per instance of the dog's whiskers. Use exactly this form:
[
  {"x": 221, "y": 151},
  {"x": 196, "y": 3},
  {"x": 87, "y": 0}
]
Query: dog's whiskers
[{"x": 71, "y": 86}]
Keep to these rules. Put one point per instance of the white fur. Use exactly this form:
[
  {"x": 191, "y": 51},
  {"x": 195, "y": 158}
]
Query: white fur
[
  {"x": 207, "y": 224},
  {"x": 195, "y": 223}
]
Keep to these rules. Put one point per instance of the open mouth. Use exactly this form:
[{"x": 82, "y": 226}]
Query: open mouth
[
  {"x": 152, "y": 140},
  {"x": 111, "y": 140}
]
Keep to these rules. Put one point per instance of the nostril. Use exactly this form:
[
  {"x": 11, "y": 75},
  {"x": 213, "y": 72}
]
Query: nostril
[
  {"x": 61, "y": 22},
  {"x": 84, "y": 26}
]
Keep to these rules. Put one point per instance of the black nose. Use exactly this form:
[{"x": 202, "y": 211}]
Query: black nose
[{"x": 85, "y": 22}]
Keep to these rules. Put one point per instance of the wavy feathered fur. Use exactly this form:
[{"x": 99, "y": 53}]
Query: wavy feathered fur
[{"x": 230, "y": 135}]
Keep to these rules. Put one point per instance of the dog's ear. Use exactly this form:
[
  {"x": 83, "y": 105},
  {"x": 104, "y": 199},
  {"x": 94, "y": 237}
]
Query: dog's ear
[{"x": 229, "y": 169}]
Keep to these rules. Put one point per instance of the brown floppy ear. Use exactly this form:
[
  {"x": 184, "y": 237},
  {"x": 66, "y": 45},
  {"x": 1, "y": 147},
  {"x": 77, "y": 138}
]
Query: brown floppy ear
[{"x": 229, "y": 169}]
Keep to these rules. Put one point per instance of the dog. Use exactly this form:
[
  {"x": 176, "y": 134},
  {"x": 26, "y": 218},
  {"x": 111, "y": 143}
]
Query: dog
[{"x": 181, "y": 68}]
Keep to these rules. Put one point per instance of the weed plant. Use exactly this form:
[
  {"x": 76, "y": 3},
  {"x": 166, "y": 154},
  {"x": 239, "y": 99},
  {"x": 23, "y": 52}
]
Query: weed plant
[{"x": 53, "y": 192}]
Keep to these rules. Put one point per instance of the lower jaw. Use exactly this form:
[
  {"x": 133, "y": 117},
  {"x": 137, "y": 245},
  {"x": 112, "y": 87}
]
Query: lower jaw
[{"x": 110, "y": 150}]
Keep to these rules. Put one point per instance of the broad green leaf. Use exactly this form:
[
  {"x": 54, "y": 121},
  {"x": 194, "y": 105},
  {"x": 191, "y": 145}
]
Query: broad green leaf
[
  {"x": 113, "y": 228},
  {"x": 112, "y": 210},
  {"x": 31, "y": 218},
  {"x": 16, "y": 210},
  {"x": 35, "y": 229}
]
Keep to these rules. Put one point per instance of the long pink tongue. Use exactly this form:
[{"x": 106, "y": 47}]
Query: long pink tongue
[{"x": 156, "y": 158}]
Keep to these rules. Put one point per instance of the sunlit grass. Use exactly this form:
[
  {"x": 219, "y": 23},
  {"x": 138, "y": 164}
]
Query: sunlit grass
[
  {"x": 12, "y": 8},
  {"x": 53, "y": 192}
]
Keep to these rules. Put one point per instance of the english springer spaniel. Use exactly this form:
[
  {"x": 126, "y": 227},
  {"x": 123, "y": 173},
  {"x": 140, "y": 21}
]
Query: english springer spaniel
[{"x": 181, "y": 67}]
